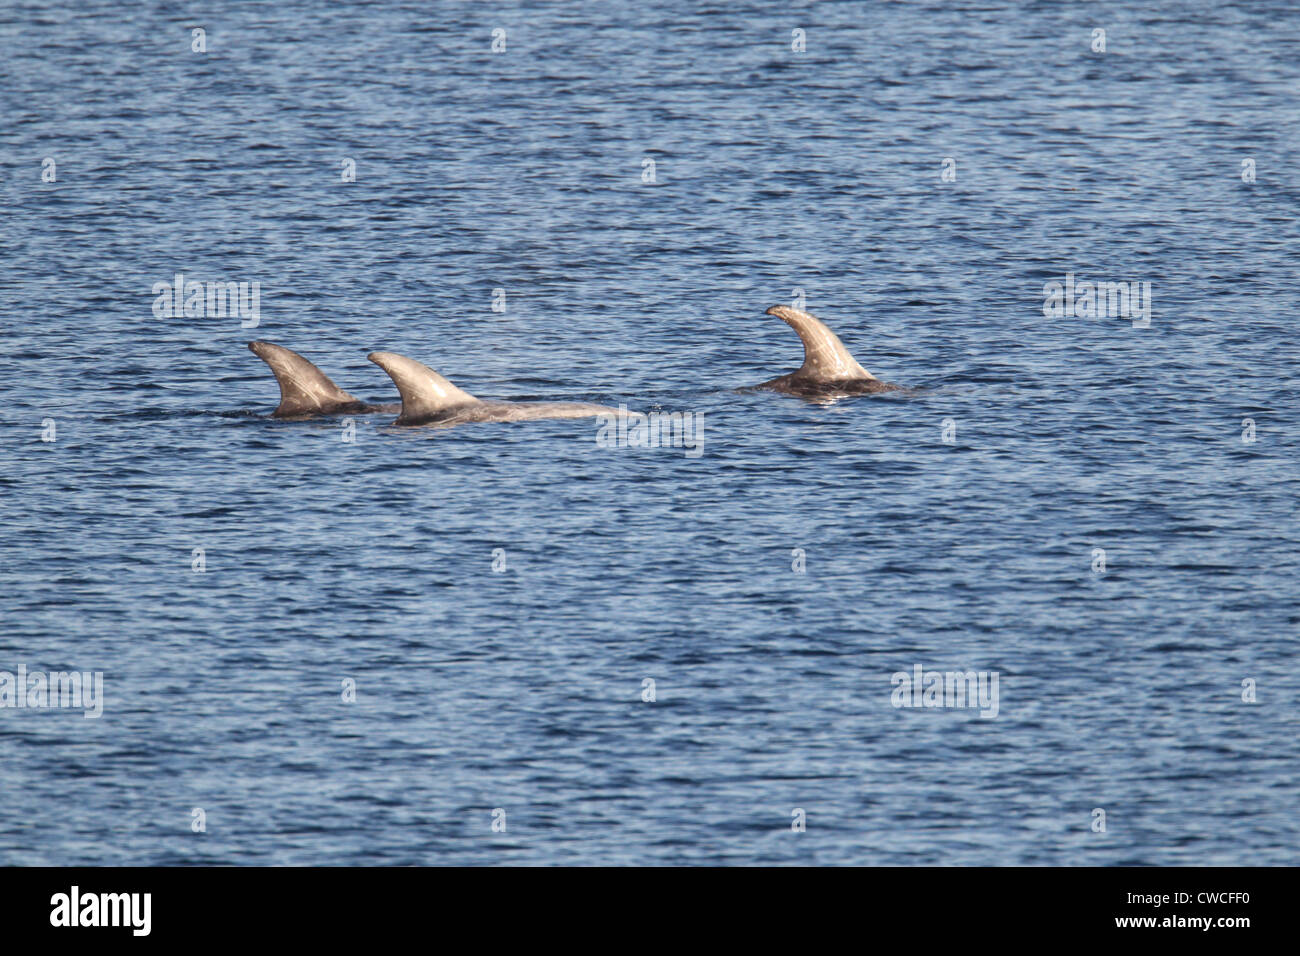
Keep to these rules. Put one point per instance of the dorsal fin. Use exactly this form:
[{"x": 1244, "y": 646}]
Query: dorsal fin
[
  {"x": 425, "y": 393},
  {"x": 825, "y": 358},
  {"x": 304, "y": 389}
]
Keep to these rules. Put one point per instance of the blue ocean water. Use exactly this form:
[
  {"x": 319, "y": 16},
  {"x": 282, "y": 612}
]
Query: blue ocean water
[{"x": 370, "y": 562}]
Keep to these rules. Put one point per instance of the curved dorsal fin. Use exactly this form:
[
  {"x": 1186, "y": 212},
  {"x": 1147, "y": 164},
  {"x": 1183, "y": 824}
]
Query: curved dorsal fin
[
  {"x": 304, "y": 388},
  {"x": 825, "y": 358},
  {"x": 424, "y": 391}
]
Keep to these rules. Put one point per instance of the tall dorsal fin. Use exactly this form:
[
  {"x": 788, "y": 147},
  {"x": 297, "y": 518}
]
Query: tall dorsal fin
[
  {"x": 825, "y": 358},
  {"x": 304, "y": 389},
  {"x": 425, "y": 393}
]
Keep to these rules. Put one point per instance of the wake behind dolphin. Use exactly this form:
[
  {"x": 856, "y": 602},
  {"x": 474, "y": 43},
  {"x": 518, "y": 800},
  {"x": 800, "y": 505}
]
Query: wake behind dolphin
[
  {"x": 429, "y": 399},
  {"x": 828, "y": 370}
]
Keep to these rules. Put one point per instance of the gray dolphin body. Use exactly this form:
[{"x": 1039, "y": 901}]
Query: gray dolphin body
[
  {"x": 429, "y": 399},
  {"x": 828, "y": 370},
  {"x": 306, "y": 391}
]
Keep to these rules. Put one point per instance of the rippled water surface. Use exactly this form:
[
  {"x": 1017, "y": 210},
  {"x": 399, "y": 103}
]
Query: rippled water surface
[{"x": 372, "y": 561}]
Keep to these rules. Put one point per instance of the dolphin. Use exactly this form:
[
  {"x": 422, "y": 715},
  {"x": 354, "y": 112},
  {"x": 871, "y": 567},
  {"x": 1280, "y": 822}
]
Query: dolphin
[
  {"x": 828, "y": 370},
  {"x": 306, "y": 391},
  {"x": 429, "y": 399}
]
